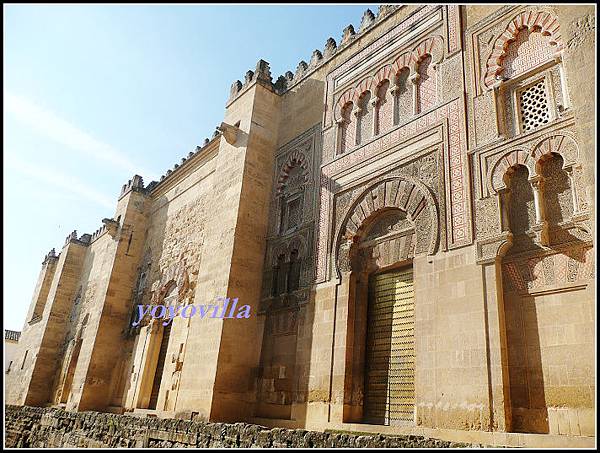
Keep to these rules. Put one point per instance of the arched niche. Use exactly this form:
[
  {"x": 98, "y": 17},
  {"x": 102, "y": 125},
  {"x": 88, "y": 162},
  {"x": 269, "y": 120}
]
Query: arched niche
[
  {"x": 507, "y": 44},
  {"x": 401, "y": 193}
]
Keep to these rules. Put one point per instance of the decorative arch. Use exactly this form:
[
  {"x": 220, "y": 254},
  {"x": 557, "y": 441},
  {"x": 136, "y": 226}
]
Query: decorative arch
[
  {"x": 430, "y": 46},
  {"x": 279, "y": 250},
  {"x": 361, "y": 89},
  {"x": 434, "y": 46},
  {"x": 385, "y": 73},
  {"x": 403, "y": 61},
  {"x": 400, "y": 192},
  {"x": 342, "y": 102},
  {"x": 298, "y": 243},
  {"x": 557, "y": 143},
  {"x": 545, "y": 21},
  {"x": 510, "y": 159},
  {"x": 295, "y": 159}
]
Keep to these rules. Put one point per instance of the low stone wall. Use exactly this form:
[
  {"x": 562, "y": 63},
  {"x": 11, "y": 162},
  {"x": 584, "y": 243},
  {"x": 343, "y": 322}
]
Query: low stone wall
[{"x": 50, "y": 427}]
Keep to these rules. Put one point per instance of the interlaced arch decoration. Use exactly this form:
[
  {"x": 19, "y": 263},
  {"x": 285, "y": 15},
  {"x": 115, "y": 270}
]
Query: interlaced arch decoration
[
  {"x": 544, "y": 21},
  {"x": 295, "y": 159},
  {"x": 401, "y": 192},
  {"x": 558, "y": 143}
]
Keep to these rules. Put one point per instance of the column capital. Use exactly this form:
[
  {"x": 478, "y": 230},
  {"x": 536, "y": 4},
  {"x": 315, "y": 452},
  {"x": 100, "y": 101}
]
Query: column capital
[{"x": 537, "y": 181}]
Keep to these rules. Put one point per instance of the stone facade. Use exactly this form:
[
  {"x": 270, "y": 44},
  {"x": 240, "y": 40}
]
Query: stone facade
[{"x": 452, "y": 143}]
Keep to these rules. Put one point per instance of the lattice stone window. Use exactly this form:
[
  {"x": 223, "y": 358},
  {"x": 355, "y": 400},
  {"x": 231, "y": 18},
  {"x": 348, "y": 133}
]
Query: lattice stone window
[
  {"x": 291, "y": 213},
  {"x": 294, "y": 213},
  {"x": 533, "y": 106}
]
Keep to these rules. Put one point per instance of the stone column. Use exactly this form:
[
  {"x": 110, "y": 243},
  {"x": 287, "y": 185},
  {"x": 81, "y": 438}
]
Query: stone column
[
  {"x": 574, "y": 197},
  {"x": 414, "y": 78},
  {"x": 375, "y": 104},
  {"x": 356, "y": 112},
  {"x": 504, "y": 203},
  {"x": 338, "y": 135},
  {"x": 537, "y": 182},
  {"x": 395, "y": 92}
]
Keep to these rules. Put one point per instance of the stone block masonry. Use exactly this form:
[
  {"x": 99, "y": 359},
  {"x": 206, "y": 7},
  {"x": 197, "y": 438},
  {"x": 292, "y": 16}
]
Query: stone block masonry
[{"x": 32, "y": 427}]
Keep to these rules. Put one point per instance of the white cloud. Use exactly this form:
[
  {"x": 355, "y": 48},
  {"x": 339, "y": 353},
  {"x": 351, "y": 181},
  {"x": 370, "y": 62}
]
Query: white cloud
[
  {"x": 62, "y": 131},
  {"x": 57, "y": 179}
]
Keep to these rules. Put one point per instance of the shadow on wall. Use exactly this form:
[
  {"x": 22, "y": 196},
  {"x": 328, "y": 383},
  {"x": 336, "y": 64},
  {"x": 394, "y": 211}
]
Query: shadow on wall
[
  {"x": 529, "y": 339},
  {"x": 129, "y": 393}
]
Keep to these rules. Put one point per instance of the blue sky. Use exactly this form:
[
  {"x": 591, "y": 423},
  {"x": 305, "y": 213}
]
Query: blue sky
[{"x": 94, "y": 94}]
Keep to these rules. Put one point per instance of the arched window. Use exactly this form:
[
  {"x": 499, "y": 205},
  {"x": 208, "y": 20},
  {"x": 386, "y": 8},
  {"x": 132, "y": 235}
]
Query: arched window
[
  {"x": 385, "y": 110},
  {"x": 279, "y": 276},
  {"x": 294, "y": 271},
  {"x": 427, "y": 87},
  {"x": 365, "y": 118},
  {"x": 558, "y": 198},
  {"x": 347, "y": 129},
  {"x": 403, "y": 97},
  {"x": 291, "y": 199},
  {"x": 521, "y": 209},
  {"x": 530, "y": 49}
]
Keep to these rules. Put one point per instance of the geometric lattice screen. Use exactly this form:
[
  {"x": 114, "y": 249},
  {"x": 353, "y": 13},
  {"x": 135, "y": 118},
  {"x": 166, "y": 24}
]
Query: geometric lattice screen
[{"x": 533, "y": 106}]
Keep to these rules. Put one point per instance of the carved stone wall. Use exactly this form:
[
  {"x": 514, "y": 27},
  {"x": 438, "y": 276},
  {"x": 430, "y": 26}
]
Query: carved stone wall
[
  {"x": 300, "y": 157},
  {"x": 289, "y": 270}
]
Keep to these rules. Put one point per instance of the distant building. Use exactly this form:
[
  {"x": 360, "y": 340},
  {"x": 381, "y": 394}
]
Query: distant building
[
  {"x": 11, "y": 339},
  {"x": 410, "y": 216}
]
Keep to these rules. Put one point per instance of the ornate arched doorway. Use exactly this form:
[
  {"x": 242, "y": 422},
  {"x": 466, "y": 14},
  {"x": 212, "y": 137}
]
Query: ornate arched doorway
[{"x": 389, "y": 224}]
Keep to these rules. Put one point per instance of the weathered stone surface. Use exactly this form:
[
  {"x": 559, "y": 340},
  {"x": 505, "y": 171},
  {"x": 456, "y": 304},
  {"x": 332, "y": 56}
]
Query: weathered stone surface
[{"x": 29, "y": 427}]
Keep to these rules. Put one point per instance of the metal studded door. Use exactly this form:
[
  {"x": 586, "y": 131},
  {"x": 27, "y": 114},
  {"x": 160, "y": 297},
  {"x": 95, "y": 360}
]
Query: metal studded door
[{"x": 390, "y": 353}]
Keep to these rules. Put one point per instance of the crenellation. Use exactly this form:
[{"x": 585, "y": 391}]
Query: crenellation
[
  {"x": 263, "y": 72},
  {"x": 300, "y": 70},
  {"x": 236, "y": 87},
  {"x": 283, "y": 83},
  {"x": 330, "y": 48},
  {"x": 347, "y": 35},
  {"x": 367, "y": 20},
  {"x": 71, "y": 237},
  {"x": 386, "y": 10},
  {"x": 85, "y": 238},
  {"x": 51, "y": 255},
  {"x": 315, "y": 59}
]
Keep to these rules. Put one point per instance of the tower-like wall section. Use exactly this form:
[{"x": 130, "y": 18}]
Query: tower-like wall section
[{"x": 44, "y": 348}]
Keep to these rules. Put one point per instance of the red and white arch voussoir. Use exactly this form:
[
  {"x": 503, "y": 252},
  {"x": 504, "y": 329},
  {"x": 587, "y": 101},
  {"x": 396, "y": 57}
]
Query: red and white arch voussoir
[
  {"x": 295, "y": 159},
  {"x": 547, "y": 22}
]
